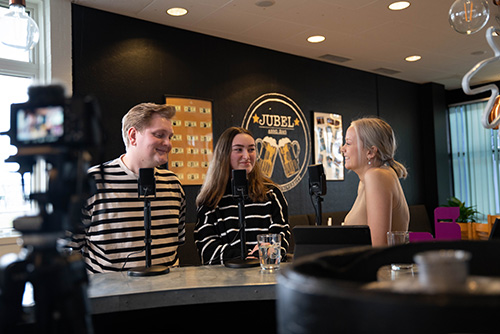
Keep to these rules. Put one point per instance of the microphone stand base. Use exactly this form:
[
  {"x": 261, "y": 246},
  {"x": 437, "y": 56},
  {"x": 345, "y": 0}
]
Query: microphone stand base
[
  {"x": 239, "y": 263},
  {"x": 149, "y": 271}
]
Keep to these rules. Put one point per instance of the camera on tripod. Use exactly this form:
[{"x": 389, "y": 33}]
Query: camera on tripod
[
  {"x": 49, "y": 118},
  {"x": 57, "y": 133},
  {"x": 58, "y": 130}
]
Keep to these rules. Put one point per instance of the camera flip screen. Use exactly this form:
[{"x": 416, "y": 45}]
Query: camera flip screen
[{"x": 40, "y": 125}]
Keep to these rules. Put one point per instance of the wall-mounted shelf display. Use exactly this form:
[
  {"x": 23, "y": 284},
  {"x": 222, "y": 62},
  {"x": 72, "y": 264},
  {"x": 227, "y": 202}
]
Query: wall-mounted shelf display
[{"x": 193, "y": 139}]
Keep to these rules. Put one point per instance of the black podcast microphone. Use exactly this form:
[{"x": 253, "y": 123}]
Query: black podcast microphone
[
  {"x": 317, "y": 188},
  {"x": 317, "y": 180},
  {"x": 239, "y": 185},
  {"x": 147, "y": 182},
  {"x": 147, "y": 187}
]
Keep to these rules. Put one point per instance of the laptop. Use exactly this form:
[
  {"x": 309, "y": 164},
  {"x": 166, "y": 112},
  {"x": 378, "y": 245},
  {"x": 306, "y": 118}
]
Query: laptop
[{"x": 315, "y": 239}]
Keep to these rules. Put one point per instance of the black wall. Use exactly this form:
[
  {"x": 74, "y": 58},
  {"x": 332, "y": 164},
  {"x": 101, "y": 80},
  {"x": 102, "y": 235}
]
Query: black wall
[{"x": 124, "y": 61}]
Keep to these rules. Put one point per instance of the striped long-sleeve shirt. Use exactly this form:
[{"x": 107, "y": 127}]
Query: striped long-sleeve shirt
[
  {"x": 113, "y": 237},
  {"x": 217, "y": 229}
]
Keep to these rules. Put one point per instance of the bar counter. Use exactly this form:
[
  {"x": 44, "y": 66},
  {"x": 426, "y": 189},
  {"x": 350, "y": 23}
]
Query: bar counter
[{"x": 117, "y": 292}]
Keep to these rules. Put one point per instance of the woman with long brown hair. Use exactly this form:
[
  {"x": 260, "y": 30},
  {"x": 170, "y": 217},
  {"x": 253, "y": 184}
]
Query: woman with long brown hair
[{"x": 266, "y": 210}]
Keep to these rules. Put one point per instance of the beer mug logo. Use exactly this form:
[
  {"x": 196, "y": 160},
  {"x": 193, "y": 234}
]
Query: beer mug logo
[
  {"x": 267, "y": 149},
  {"x": 273, "y": 117},
  {"x": 289, "y": 155}
]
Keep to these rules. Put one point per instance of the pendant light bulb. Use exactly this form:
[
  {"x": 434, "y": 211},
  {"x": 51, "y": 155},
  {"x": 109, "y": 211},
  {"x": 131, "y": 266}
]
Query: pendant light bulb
[
  {"x": 17, "y": 28},
  {"x": 469, "y": 16}
]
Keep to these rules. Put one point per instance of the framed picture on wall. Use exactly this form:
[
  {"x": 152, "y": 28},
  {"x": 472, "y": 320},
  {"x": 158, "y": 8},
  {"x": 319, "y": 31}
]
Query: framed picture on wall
[
  {"x": 193, "y": 138},
  {"x": 328, "y": 139}
]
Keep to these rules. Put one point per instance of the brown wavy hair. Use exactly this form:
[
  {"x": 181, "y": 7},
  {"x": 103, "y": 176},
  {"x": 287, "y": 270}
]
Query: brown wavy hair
[{"x": 219, "y": 173}]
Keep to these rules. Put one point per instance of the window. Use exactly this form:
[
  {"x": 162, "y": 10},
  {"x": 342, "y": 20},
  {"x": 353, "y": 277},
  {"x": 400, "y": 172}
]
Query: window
[
  {"x": 18, "y": 70},
  {"x": 475, "y": 154}
]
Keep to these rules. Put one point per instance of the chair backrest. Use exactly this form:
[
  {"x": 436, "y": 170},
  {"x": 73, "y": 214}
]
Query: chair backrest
[
  {"x": 467, "y": 230},
  {"x": 481, "y": 231},
  {"x": 419, "y": 219},
  {"x": 447, "y": 230},
  {"x": 420, "y": 236},
  {"x": 491, "y": 220},
  {"x": 446, "y": 213}
]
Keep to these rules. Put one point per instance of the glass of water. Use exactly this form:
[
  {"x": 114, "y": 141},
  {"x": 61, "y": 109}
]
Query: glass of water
[
  {"x": 269, "y": 251},
  {"x": 395, "y": 238}
]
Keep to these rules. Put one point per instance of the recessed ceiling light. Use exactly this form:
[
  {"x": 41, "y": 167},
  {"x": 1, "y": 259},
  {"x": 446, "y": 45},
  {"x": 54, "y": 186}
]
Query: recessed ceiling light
[
  {"x": 413, "y": 58},
  {"x": 478, "y": 53},
  {"x": 399, "y": 5},
  {"x": 265, "y": 3},
  {"x": 177, "y": 11},
  {"x": 316, "y": 39}
]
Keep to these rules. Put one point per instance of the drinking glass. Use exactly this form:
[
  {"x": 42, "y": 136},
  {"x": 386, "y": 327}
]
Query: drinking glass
[
  {"x": 395, "y": 238},
  {"x": 269, "y": 251}
]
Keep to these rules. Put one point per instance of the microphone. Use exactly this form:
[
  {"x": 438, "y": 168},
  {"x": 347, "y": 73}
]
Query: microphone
[
  {"x": 239, "y": 183},
  {"x": 146, "y": 182},
  {"x": 317, "y": 188},
  {"x": 317, "y": 180},
  {"x": 147, "y": 187}
]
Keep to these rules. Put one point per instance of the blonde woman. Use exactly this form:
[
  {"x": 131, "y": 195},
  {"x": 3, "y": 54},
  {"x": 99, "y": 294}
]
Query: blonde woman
[
  {"x": 368, "y": 151},
  {"x": 266, "y": 210}
]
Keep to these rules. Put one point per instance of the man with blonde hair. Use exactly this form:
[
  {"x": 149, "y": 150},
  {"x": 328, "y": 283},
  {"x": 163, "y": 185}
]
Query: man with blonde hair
[{"x": 113, "y": 225}]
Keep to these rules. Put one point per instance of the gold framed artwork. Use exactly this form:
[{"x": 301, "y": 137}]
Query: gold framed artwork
[
  {"x": 193, "y": 139},
  {"x": 328, "y": 139}
]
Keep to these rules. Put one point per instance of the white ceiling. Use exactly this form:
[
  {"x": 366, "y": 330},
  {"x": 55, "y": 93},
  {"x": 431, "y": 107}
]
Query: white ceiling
[{"x": 364, "y": 31}]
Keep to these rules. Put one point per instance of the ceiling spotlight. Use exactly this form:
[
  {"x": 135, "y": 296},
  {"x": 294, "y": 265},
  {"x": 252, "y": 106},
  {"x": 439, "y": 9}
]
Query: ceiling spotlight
[
  {"x": 265, "y": 3},
  {"x": 413, "y": 58},
  {"x": 316, "y": 39},
  {"x": 467, "y": 16},
  {"x": 177, "y": 11},
  {"x": 399, "y": 5}
]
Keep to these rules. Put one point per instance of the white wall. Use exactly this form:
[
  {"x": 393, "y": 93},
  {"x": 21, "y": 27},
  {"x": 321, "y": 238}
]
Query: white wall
[{"x": 58, "y": 55}]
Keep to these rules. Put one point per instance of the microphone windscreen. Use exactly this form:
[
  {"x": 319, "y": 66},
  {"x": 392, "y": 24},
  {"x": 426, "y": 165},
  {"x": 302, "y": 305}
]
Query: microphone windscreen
[
  {"x": 317, "y": 178},
  {"x": 239, "y": 182},
  {"x": 147, "y": 182}
]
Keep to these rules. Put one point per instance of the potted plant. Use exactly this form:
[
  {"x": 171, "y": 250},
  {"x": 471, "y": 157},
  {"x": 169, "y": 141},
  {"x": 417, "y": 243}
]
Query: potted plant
[
  {"x": 467, "y": 213},
  {"x": 467, "y": 220}
]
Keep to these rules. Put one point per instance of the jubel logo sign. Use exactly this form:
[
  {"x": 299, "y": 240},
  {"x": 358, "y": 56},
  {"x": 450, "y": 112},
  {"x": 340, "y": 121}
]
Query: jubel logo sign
[{"x": 282, "y": 138}]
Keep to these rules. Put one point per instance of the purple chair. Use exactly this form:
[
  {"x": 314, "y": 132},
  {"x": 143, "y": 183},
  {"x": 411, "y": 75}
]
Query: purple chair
[
  {"x": 446, "y": 230},
  {"x": 443, "y": 230},
  {"x": 420, "y": 236}
]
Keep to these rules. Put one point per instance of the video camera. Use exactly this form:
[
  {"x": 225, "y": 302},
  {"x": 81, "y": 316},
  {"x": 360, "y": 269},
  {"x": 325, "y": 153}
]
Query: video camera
[
  {"x": 60, "y": 131},
  {"x": 49, "y": 118}
]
